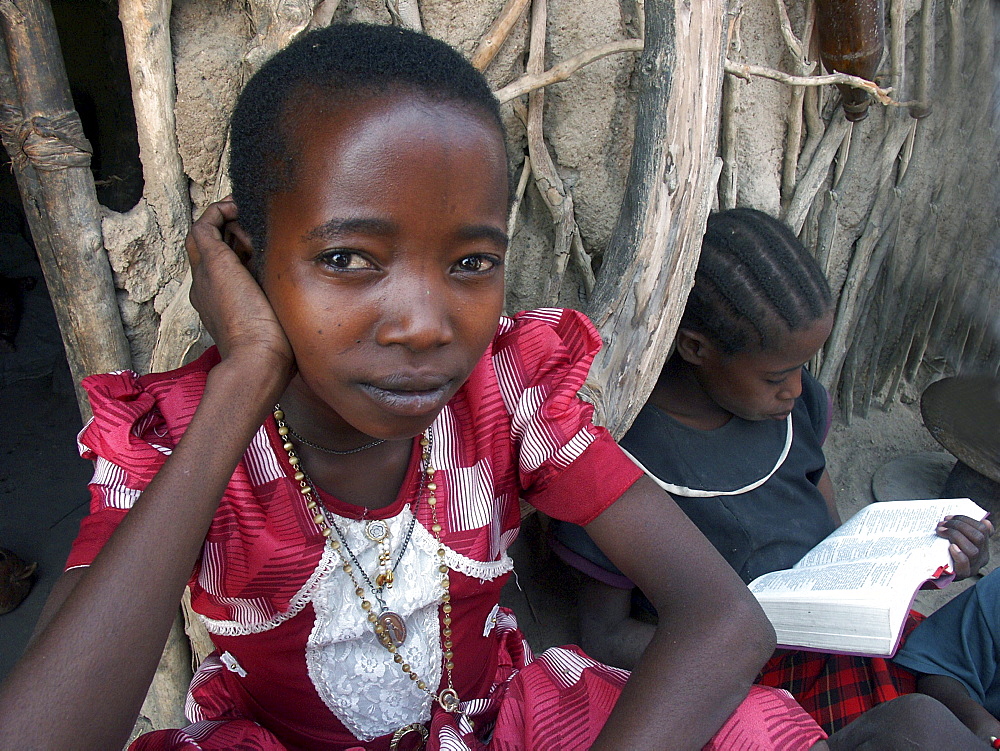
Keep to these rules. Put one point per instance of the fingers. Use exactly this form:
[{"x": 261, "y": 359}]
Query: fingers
[
  {"x": 237, "y": 238},
  {"x": 969, "y": 543},
  {"x": 206, "y": 233}
]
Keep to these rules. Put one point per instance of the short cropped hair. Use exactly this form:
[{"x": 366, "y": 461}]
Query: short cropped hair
[
  {"x": 755, "y": 283},
  {"x": 341, "y": 63}
]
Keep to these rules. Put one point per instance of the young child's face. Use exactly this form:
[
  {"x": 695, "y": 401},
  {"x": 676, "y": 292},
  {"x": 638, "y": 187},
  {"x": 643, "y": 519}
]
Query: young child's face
[
  {"x": 763, "y": 384},
  {"x": 384, "y": 261}
]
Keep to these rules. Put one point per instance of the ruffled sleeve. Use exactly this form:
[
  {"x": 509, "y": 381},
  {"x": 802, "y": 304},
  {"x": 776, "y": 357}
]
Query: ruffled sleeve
[
  {"x": 128, "y": 439},
  {"x": 569, "y": 468}
]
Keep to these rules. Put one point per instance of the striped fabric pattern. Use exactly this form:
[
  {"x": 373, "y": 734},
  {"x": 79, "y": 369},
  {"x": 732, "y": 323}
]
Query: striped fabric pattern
[{"x": 516, "y": 429}]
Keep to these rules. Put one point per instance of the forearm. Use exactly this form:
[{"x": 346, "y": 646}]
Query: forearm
[
  {"x": 83, "y": 679},
  {"x": 954, "y": 695},
  {"x": 689, "y": 680}
]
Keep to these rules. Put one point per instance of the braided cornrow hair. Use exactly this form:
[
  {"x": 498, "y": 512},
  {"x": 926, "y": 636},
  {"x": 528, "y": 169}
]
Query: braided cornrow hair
[{"x": 754, "y": 284}]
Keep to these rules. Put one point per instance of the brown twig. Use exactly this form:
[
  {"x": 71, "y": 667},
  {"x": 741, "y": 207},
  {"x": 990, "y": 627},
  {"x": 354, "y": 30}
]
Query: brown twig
[
  {"x": 515, "y": 206},
  {"x": 498, "y": 33},
  {"x": 805, "y": 67},
  {"x": 745, "y": 71},
  {"x": 532, "y": 81},
  {"x": 729, "y": 127},
  {"x": 559, "y": 201},
  {"x": 897, "y": 43},
  {"x": 797, "y": 47}
]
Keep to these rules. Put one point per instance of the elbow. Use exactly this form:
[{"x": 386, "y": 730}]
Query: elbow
[
  {"x": 759, "y": 631},
  {"x": 750, "y": 633}
]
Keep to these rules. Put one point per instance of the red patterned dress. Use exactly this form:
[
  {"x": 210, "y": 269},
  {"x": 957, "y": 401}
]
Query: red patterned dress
[{"x": 297, "y": 666}]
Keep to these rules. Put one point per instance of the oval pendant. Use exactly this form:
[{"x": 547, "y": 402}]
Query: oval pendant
[
  {"x": 376, "y": 530},
  {"x": 394, "y": 625}
]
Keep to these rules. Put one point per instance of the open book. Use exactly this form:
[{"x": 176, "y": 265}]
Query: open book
[{"x": 852, "y": 592}]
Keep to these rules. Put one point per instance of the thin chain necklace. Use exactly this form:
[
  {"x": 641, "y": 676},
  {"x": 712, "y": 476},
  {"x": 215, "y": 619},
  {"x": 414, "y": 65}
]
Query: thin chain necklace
[
  {"x": 389, "y": 627},
  {"x": 310, "y": 444}
]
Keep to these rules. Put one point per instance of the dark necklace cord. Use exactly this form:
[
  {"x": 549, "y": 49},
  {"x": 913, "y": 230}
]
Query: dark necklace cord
[{"x": 335, "y": 452}]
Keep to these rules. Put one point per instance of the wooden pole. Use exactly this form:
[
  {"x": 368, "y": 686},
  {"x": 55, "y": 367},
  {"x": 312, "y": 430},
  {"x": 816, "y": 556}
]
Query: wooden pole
[
  {"x": 44, "y": 138},
  {"x": 652, "y": 255}
]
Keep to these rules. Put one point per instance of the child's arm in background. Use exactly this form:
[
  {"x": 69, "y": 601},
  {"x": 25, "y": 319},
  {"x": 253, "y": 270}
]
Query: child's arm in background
[
  {"x": 608, "y": 632},
  {"x": 712, "y": 638},
  {"x": 955, "y": 696},
  {"x": 825, "y": 486},
  {"x": 82, "y": 681}
]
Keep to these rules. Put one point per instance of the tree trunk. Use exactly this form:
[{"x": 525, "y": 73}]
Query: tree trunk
[
  {"x": 649, "y": 265},
  {"x": 165, "y": 205}
]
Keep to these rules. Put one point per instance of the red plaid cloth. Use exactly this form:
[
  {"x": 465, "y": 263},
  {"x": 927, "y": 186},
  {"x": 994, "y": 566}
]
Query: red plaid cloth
[{"x": 835, "y": 689}]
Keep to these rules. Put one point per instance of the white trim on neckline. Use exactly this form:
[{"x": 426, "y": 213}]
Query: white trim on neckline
[{"x": 693, "y": 493}]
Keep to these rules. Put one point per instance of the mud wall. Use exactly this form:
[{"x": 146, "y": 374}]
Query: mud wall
[{"x": 900, "y": 211}]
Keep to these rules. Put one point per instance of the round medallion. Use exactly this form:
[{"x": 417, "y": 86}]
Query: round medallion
[
  {"x": 394, "y": 625},
  {"x": 400, "y": 734},
  {"x": 377, "y": 530}
]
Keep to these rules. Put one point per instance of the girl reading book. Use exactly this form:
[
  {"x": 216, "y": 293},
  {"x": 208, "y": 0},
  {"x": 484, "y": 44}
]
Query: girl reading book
[{"x": 734, "y": 431}]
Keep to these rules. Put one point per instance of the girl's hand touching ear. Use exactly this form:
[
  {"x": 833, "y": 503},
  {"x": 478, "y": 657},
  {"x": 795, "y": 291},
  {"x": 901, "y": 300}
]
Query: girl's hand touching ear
[
  {"x": 970, "y": 548},
  {"x": 231, "y": 304}
]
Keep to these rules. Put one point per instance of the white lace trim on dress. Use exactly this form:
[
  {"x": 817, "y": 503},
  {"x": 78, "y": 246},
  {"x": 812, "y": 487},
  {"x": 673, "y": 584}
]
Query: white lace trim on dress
[
  {"x": 482, "y": 570},
  {"x": 352, "y": 672},
  {"x": 327, "y": 563}
]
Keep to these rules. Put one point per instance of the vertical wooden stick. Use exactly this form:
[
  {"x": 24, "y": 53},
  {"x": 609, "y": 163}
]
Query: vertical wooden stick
[{"x": 50, "y": 140}]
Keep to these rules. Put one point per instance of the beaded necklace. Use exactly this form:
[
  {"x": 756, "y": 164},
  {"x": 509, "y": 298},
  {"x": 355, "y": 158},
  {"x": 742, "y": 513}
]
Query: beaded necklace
[{"x": 389, "y": 627}]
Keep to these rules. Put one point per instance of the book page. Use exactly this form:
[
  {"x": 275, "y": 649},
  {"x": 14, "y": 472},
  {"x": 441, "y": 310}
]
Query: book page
[
  {"x": 886, "y": 545},
  {"x": 890, "y": 529},
  {"x": 857, "y": 575},
  {"x": 908, "y": 517},
  {"x": 882, "y": 547}
]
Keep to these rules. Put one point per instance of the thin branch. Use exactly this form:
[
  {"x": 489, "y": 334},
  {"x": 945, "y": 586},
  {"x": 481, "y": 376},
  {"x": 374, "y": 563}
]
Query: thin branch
[
  {"x": 843, "y": 154},
  {"x": 745, "y": 71},
  {"x": 729, "y": 127},
  {"x": 897, "y": 43},
  {"x": 404, "y": 13},
  {"x": 532, "y": 81},
  {"x": 728, "y": 141},
  {"x": 793, "y": 42},
  {"x": 554, "y": 193},
  {"x": 515, "y": 207},
  {"x": 498, "y": 33},
  {"x": 925, "y": 67}
]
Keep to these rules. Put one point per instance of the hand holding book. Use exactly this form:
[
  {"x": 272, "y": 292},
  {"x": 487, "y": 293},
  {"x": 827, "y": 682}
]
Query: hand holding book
[
  {"x": 851, "y": 593},
  {"x": 970, "y": 543}
]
